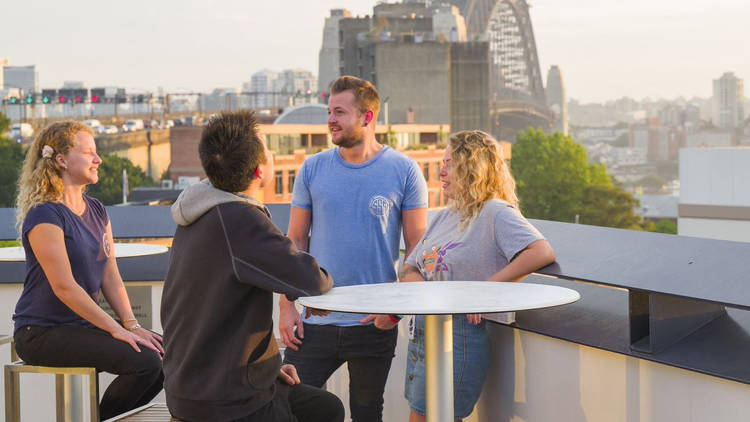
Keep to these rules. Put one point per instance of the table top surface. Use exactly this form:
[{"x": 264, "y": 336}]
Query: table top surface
[
  {"x": 440, "y": 298},
  {"x": 122, "y": 250}
]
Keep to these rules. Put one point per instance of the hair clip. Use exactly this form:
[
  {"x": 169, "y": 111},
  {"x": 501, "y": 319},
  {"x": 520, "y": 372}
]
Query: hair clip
[{"x": 47, "y": 151}]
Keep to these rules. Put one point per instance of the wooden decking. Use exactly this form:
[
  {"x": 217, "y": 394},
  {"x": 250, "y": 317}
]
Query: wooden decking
[{"x": 153, "y": 412}]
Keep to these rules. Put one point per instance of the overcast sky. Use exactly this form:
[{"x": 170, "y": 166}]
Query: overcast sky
[{"x": 606, "y": 48}]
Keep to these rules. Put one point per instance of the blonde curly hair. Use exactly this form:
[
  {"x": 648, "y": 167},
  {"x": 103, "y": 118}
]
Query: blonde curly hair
[
  {"x": 40, "y": 179},
  {"x": 480, "y": 173}
]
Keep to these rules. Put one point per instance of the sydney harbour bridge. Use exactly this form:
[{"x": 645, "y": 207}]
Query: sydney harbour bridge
[{"x": 517, "y": 98}]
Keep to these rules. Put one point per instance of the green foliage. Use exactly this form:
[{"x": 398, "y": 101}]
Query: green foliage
[
  {"x": 9, "y": 243},
  {"x": 109, "y": 188},
  {"x": 609, "y": 206},
  {"x": 551, "y": 172},
  {"x": 11, "y": 160},
  {"x": 556, "y": 182},
  {"x": 4, "y": 125},
  {"x": 665, "y": 226}
]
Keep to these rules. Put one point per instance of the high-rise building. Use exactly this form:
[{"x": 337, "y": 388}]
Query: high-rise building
[
  {"x": 328, "y": 59},
  {"x": 21, "y": 77},
  {"x": 295, "y": 80},
  {"x": 261, "y": 85},
  {"x": 418, "y": 56},
  {"x": 556, "y": 99},
  {"x": 728, "y": 101},
  {"x": 3, "y": 63}
]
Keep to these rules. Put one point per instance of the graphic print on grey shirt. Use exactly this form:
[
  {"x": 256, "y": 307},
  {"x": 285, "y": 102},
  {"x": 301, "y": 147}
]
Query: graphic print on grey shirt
[{"x": 485, "y": 247}]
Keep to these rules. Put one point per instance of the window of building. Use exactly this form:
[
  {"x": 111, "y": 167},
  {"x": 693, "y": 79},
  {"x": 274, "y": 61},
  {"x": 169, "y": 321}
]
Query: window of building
[
  {"x": 426, "y": 167},
  {"x": 292, "y": 174},
  {"x": 279, "y": 182}
]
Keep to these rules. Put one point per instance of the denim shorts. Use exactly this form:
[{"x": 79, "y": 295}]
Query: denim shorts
[{"x": 471, "y": 360}]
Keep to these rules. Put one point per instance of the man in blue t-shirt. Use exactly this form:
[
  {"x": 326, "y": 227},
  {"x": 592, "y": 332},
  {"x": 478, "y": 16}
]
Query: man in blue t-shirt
[{"x": 353, "y": 201}]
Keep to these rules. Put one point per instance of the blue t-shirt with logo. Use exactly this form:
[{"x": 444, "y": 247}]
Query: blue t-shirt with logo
[
  {"x": 88, "y": 250},
  {"x": 356, "y": 216}
]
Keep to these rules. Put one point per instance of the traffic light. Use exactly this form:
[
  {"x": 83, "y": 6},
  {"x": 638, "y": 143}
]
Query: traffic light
[
  {"x": 14, "y": 100},
  {"x": 29, "y": 98},
  {"x": 48, "y": 95},
  {"x": 80, "y": 95},
  {"x": 97, "y": 95},
  {"x": 65, "y": 95}
]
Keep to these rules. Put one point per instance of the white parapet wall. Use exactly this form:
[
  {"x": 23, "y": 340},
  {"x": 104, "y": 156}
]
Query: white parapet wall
[{"x": 538, "y": 378}]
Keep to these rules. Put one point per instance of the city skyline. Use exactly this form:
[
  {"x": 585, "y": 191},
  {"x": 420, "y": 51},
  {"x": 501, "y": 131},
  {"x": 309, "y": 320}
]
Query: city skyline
[{"x": 606, "y": 50}]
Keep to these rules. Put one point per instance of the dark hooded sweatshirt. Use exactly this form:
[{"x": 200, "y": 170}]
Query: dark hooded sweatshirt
[{"x": 221, "y": 357}]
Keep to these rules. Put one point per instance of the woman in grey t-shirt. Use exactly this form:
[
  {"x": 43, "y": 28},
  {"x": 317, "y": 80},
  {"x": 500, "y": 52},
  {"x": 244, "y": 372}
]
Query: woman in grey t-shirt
[{"x": 481, "y": 235}]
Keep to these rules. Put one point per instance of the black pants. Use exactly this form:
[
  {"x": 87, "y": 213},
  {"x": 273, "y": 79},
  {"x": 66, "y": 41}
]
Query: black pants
[
  {"x": 299, "y": 403},
  {"x": 140, "y": 375},
  {"x": 367, "y": 351}
]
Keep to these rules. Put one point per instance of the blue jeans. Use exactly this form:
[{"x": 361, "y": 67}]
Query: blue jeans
[
  {"x": 471, "y": 360},
  {"x": 367, "y": 351}
]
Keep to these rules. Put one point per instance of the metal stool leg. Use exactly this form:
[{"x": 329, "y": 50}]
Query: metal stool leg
[
  {"x": 60, "y": 398},
  {"x": 12, "y": 396},
  {"x": 94, "y": 396}
]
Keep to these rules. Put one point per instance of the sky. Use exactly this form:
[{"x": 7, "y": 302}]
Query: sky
[{"x": 606, "y": 49}]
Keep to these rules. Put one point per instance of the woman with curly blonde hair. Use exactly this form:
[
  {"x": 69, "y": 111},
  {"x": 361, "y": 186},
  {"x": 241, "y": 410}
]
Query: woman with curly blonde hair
[
  {"x": 67, "y": 238},
  {"x": 480, "y": 235}
]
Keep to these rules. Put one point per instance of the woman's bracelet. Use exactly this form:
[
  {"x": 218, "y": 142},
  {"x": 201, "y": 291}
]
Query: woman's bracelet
[
  {"x": 132, "y": 328},
  {"x": 395, "y": 318}
]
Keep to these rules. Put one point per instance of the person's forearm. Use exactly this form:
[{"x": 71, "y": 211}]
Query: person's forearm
[
  {"x": 409, "y": 273},
  {"x": 301, "y": 242},
  {"x": 528, "y": 261},
  {"x": 75, "y": 298},
  {"x": 117, "y": 297}
]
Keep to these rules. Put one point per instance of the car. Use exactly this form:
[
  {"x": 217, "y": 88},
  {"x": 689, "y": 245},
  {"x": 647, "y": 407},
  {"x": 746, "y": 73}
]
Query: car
[
  {"x": 108, "y": 130},
  {"x": 21, "y": 130},
  {"x": 133, "y": 125},
  {"x": 92, "y": 123}
]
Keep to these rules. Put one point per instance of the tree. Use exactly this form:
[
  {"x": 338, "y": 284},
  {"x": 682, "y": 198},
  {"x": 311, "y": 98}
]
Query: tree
[
  {"x": 551, "y": 172},
  {"x": 556, "y": 182},
  {"x": 11, "y": 159},
  {"x": 109, "y": 188},
  {"x": 609, "y": 206},
  {"x": 665, "y": 226}
]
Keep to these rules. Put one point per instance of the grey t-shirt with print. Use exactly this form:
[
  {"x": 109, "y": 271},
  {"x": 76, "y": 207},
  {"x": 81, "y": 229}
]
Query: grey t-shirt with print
[{"x": 485, "y": 247}]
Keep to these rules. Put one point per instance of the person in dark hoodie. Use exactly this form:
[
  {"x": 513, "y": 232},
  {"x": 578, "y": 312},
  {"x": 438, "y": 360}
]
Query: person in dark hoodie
[{"x": 221, "y": 360}]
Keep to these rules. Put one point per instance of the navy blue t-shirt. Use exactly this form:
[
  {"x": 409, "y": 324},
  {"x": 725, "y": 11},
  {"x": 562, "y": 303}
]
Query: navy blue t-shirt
[{"x": 88, "y": 249}]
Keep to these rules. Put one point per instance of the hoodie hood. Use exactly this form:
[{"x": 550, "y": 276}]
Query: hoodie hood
[{"x": 199, "y": 198}]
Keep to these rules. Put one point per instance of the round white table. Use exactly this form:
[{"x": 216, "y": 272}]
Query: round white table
[
  {"x": 122, "y": 250},
  {"x": 438, "y": 301}
]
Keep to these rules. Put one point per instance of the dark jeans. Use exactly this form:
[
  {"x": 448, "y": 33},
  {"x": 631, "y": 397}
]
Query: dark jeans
[
  {"x": 367, "y": 351},
  {"x": 140, "y": 376},
  {"x": 299, "y": 403}
]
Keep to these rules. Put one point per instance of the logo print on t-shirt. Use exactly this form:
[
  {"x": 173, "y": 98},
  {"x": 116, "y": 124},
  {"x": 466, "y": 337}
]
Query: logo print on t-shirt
[
  {"x": 380, "y": 207},
  {"x": 106, "y": 246},
  {"x": 433, "y": 260}
]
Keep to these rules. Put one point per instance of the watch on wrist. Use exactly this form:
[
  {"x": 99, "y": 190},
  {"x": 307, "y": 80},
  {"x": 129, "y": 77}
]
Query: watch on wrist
[{"x": 134, "y": 327}]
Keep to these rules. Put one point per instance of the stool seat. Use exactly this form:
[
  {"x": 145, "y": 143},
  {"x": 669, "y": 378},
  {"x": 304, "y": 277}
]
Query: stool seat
[{"x": 62, "y": 381}]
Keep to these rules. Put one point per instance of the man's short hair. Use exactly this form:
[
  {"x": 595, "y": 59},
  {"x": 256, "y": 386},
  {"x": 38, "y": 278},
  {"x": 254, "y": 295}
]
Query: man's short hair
[
  {"x": 365, "y": 95},
  {"x": 230, "y": 150}
]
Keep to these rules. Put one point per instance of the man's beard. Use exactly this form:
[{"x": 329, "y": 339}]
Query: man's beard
[{"x": 350, "y": 140}]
